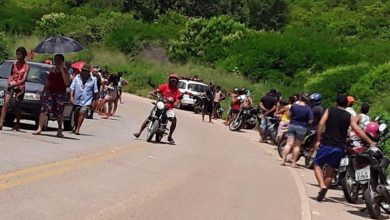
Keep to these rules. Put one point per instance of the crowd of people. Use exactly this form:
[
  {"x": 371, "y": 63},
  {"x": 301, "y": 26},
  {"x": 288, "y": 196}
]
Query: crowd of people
[
  {"x": 90, "y": 90},
  {"x": 98, "y": 91}
]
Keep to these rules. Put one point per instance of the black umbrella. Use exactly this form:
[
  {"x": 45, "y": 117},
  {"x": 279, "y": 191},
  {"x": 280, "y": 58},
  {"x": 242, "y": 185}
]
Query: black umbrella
[{"x": 58, "y": 45}]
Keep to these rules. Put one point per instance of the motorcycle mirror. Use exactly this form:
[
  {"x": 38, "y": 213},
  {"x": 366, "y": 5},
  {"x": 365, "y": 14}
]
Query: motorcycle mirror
[{"x": 382, "y": 127}]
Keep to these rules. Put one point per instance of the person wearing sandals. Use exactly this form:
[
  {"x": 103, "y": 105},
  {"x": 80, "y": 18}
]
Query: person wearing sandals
[
  {"x": 16, "y": 86},
  {"x": 84, "y": 92},
  {"x": 301, "y": 116},
  {"x": 54, "y": 94},
  {"x": 331, "y": 148}
]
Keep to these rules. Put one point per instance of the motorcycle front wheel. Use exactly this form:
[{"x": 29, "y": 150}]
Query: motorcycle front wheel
[
  {"x": 236, "y": 124},
  {"x": 373, "y": 207},
  {"x": 152, "y": 131},
  {"x": 350, "y": 187}
]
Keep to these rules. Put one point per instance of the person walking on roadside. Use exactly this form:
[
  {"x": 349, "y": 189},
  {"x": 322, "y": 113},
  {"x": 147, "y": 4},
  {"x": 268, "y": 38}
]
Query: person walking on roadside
[
  {"x": 301, "y": 116},
  {"x": 219, "y": 96},
  {"x": 208, "y": 104},
  {"x": 84, "y": 91},
  {"x": 336, "y": 121},
  {"x": 16, "y": 86},
  {"x": 121, "y": 82},
  {"x": 54, "y": 94},
  {"x": 267, "y": 106}
]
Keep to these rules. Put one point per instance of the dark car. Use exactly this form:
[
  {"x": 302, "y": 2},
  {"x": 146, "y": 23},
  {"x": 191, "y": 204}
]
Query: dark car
[{"x": 31, "y": 104}]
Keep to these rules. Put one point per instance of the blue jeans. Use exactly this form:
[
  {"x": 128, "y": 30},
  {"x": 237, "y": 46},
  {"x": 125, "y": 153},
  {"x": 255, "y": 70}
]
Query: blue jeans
[{"x": 297, "y": 132}]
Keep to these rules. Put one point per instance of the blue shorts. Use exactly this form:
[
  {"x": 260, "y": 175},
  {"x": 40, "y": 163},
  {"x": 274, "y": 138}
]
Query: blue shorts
[
  {"x": 297, "y": 132},
  {"x": 329, "y": 155}
]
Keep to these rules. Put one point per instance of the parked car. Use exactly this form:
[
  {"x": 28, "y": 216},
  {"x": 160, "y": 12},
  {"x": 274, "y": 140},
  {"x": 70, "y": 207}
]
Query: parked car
[
  {"x": 31, "y": 104},
  {"x": 189, "y": 89}
]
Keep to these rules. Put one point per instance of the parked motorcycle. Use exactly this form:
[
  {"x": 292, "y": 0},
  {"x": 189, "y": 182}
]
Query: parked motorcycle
[
  {"x": 199, "y": 103},
  {"x": 307, "y": 148},
  {"x": 157, "y": 125},
  {"x": 246, "y": 118},
  {"x": 369, "y": 170}
]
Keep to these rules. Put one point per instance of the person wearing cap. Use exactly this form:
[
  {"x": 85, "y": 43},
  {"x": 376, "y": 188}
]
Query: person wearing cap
[
  {"x": 301, "y": 116},
  {"x": 169, "y": 91},
  {"x": 349, "y": 108},
  {"x": 267, "y": 106},
  {"x": 84, "y": 92}
]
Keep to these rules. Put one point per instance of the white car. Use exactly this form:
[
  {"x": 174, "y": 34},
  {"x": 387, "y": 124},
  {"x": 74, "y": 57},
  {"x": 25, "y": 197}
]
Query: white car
[{"x": 189, "y": 89}]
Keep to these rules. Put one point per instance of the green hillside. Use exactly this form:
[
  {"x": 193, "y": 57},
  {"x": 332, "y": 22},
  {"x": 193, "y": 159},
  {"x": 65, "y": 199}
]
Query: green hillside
[{"x": 325, "y": 46}]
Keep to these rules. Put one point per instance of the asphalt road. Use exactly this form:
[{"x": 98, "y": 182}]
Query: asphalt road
[{"x": 211, "y": 173}]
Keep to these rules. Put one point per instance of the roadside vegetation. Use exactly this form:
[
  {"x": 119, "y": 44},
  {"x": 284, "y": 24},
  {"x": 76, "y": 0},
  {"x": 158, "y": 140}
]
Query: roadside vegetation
[{"x": 325, "y": 46}]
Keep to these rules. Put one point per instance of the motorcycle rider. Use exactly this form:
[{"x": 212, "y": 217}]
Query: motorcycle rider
[
  {"x": 336, "y": 121},
  {"x": 267, "y": 106},
  {"x": 171, "y": 92},
  {"x": 317, "y": 108}
]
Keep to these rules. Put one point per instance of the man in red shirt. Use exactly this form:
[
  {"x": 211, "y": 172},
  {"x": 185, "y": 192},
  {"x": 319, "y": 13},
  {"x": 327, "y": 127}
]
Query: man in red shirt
[{"x": 171, "y": 92}]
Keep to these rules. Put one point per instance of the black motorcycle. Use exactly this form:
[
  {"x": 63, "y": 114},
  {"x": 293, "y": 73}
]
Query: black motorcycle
[
  {"x": 272, "y": 130},
  {"x": 199, "y": 103},
  {"x": 307, "y": 148},
  {"x": 157, "y": 125},
  {"x": 367, "y": 171},
  {"x": 246, "y": 118}
]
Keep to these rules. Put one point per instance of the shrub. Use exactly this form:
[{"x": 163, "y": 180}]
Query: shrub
[
  {"x": 373, "y": 85},
  {"x": 264, "y": 55},
  {"x": 4, "y": 53},
  {"x": 132, "y": 36},
  {"x": 19, "y": 20},
  {"x": 206, "y": 40},
  {"x": 334, "y": 80}
]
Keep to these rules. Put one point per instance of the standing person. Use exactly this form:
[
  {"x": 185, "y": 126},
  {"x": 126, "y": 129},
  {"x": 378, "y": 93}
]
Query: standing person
[
  {"x": 84, "y": 92},
  {"x": 318, "y": 110},
  {"x": 16, "y": 86},
  {"x": 209, "y": 101},
  {"x": 235, "y": 107},
  {"x": 219, "y": 96},
  {"x": 111, "y": 96},
  {"x": 122, "y": 82},
  {"x": 349, "y": 108},
  {"x": 284, "y": 118},
  {"x": 363, "y": 118},
  {"x": 95, "y": 73},
  {"x": 301, "y": 116},
  {"x": 54, "y": 94},
  {"x": 267, "y": 106},
  {"x": 171, "y": 92},
  {"x": 336, "y": 121}
]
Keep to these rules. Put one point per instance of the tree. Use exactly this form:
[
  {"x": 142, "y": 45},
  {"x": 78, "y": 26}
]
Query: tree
[{"x": 268, "y": 14}]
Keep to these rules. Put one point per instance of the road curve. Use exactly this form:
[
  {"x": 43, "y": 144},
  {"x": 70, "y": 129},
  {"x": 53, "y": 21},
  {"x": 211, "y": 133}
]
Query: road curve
[{"x": 211, "y": 173}]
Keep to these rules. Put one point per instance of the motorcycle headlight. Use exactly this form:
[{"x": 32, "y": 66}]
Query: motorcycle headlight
[
  {"x": 160, "y": 105},
  {"x": 32, "y": 96}
]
